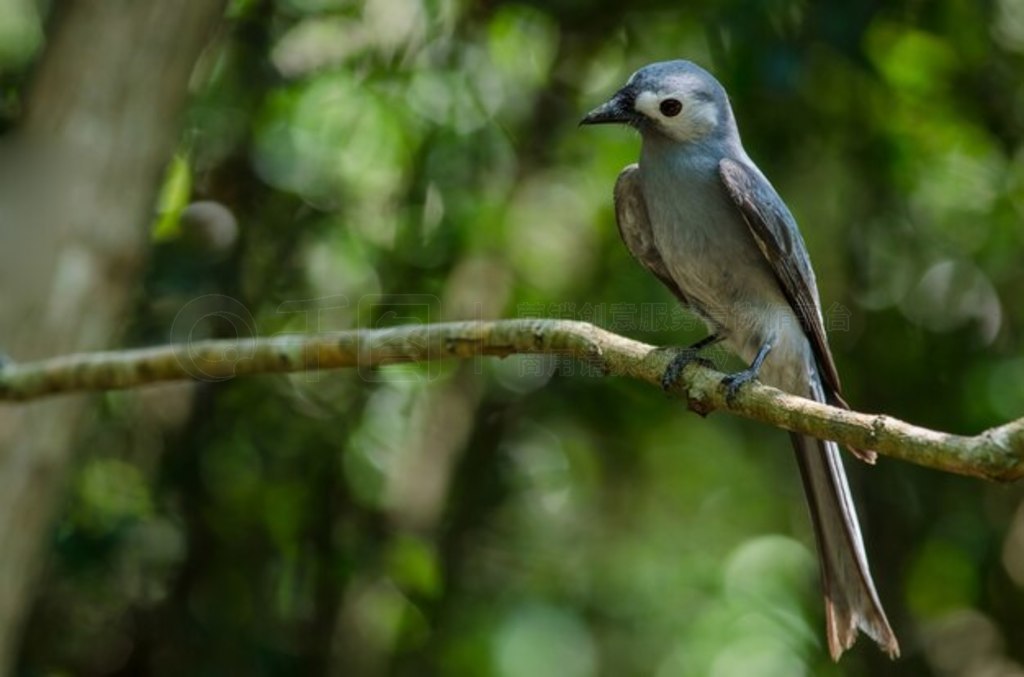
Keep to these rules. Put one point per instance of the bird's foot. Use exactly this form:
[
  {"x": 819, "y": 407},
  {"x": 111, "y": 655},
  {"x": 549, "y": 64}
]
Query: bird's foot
[
  {"x": 683, "y": 358},
  {"x": 687, "y": 356},
  {"x": 733, "y": 382}
]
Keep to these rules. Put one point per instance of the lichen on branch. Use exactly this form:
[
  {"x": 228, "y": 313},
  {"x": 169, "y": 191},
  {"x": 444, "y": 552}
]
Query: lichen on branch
[{"x": 995, "y": 454}]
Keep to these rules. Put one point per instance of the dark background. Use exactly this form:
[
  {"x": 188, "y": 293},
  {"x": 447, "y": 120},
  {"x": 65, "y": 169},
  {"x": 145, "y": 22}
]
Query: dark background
[{"x": 346, "y": 164}]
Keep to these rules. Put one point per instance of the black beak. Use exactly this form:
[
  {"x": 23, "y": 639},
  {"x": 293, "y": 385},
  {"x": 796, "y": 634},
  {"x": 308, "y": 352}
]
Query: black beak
[{"x": 618, "y": 109}]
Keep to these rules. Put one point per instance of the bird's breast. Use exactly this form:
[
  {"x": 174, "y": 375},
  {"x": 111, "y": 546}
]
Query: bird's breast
[{"x": 707, "y": 246}]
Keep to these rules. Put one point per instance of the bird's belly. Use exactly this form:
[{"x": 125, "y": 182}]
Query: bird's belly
[{"x": 714, "y": 259}]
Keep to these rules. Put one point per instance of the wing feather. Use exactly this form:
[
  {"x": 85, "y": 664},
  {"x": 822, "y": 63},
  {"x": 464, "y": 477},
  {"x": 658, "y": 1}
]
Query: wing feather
[
  {"x": 635, "y": 228},
  {"x": 775, "y": 231},
  {"x": 776, "y": 234}
]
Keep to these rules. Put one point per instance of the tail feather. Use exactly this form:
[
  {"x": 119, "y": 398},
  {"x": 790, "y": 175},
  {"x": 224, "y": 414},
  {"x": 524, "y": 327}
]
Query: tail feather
[{"x": 851, "y": 602}]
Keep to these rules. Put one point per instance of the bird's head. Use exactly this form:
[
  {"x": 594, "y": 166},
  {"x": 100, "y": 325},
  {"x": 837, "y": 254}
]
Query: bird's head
[{"x": 674, "y": 99}]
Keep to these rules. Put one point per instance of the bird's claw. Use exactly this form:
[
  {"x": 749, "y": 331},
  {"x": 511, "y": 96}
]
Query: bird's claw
[
  {"x": 674, "y": 370},
  {"x": 733, "y": 383}
]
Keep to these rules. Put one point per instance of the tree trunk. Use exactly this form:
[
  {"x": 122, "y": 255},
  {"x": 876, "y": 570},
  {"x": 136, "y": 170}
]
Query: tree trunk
[{"x": 76, "y": 195}]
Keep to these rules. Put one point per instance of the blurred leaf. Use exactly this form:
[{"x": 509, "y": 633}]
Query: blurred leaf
[
  {"x": 414, "y": 566},
  {"x": 174, "y": 196},
  {"x": 941, "y": 579},
  {"x": 110, "y": 493}
]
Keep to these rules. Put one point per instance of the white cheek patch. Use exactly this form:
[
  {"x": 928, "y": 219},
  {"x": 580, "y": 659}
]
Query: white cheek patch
[
  {"x": 698, "y": 117},
  {"x": 647, "y": 103}
]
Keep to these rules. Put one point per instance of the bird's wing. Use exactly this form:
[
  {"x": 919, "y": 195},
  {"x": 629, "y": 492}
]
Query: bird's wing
[
  {"x": 776, "y": 234},
  {"x": 635, "y": 228}
]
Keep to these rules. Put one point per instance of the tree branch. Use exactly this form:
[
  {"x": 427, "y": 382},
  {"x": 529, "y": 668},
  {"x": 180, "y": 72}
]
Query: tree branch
[{"x": 995, "y": 454}]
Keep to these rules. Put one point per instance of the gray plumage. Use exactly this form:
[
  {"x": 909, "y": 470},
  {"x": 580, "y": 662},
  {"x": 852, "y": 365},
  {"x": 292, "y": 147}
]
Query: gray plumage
[{"x": 699, "y": 215}]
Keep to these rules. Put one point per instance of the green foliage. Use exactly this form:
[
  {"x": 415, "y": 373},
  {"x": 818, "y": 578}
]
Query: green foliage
[{"x": 419, "y": 160}]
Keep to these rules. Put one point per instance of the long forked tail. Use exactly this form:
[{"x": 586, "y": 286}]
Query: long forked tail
[{"x": 851, "y": 602}]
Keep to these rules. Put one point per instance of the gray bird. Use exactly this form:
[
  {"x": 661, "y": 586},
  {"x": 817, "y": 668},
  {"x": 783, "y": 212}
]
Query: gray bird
[{"x": 700, "y": 215}]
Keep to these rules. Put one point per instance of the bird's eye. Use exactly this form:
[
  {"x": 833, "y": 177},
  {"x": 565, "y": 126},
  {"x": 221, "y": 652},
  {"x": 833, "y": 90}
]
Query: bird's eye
[{"x": 670, "y": 107}]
